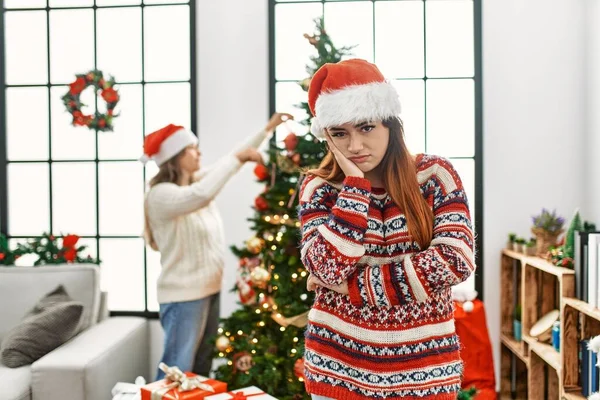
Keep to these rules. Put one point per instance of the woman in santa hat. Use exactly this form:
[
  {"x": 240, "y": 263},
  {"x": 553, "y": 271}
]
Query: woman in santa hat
[
  {"x": 184, "y": 225},
  {"x": 385, "y": 235}
]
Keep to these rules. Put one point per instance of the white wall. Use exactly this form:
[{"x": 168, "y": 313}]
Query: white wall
[
  {"x": 534, "y": 110},
  {"x": 233, "y": 102},
  {"x": 593, "y": 110}
]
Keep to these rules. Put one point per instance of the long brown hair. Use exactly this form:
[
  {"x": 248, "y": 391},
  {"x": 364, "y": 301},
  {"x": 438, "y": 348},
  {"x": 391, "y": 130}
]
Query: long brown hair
[
  {"x": 168, "y": 172},
  {"x": 399, "y": 179}
]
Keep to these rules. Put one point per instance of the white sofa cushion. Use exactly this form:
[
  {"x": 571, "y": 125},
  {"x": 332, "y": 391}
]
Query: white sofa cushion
[{"x": 15, "y": 383}]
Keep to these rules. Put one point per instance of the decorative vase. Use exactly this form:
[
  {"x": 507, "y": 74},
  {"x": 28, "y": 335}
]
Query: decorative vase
[
  {"x": 544, "y": 240},
  {"x": 517, "y": 330}
]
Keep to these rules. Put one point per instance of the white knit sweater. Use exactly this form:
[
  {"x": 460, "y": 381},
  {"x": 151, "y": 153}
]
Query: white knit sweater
[{"x": 188, "y": 230}]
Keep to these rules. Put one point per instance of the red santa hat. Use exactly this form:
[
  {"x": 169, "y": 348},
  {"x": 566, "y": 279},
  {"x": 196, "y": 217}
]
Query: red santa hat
[
  {"x": 350, "y": 91},
  {"x": 166, "y": 143}
]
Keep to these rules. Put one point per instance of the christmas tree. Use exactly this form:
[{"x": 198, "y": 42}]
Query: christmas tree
[{"x": 263, "y": 341}]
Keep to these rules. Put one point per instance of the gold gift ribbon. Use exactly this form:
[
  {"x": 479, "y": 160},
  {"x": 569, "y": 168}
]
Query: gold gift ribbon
[{"x": 180, "y": 381}]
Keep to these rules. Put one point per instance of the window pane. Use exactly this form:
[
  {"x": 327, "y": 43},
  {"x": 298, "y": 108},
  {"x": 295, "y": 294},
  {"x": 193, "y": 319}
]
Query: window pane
[
  {"x": 351, "y": 24},
  {"x": 153, "y": 269},
  {"x": 100, "y": 3},
  {"x": 466, "y": 171},
  {"x": 71, "y": 142},
  {"x": 71, "y": 3},
  {"x": 412, "y": 101},
  {"x": 26, "y": 30},
  {"x": 119, "y": 43},
  {"x": 125, "y": 141},
  {"x": 22, "y": 4},
  {"x": 164, "y": 1},
  {"x": 123, "y": 273},
  {"x": 121, "y": 198},
  {"x": 292, "y": 21},
  {"x": 167, "y": 103},
  {"x": 288, "y": 95},
  {"x": 167, "y": 43},
  {"x": 451, "y": 117},
  {"x": 74, "y": 198},
  {"x": 399, "y": 46},
  {"x": 27, "y": 141},
  {"x": 449, "y": 38},
  {"x": 28, "y": 199},
  {"x": 71, "y": 44}
]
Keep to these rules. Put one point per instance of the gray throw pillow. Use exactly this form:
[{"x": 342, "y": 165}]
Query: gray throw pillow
[{"x": 52, "y": 322}]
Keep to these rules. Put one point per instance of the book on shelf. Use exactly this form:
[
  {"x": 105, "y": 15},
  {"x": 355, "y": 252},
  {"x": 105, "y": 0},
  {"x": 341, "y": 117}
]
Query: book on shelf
[
  {"x": 590, "y": 373},
  {"x": 587, "y": 267}
]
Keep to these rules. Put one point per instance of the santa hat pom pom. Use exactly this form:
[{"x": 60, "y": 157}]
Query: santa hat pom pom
[
  {"x": 594, "y": 344},
  {"x": 144, "y": 159},
  {"x": 595, "y": 396},
  {"x": 468, "y": 306}
]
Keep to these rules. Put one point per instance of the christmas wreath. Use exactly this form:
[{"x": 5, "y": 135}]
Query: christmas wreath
[{"x": 98, "y": 121}]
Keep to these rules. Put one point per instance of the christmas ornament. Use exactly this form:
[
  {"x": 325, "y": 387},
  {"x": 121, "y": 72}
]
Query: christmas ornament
[
  {"x": 261, "y": 203},
  {"x": 255, "y": 245},
  {"x": 222, "y": 343},
  {"x": 242, "y": 362},
  {"x": 312, "y": 39},
  {"x": 305, "y": 84},
  {"x": 291, "y": 141},
  {"x": 260, "y": 276},
  {"x": 286, "y": 164},
  {"x": 245, "y": 291},
  {"x": 261, "y": 172},
  {"x": 71, "y": 100},
  {"x": 299, "y": 368}
]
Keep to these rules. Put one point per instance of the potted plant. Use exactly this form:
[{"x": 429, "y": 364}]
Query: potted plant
[
  {"x": 530, "y": 247},
  {"x": 517, "y": 323},
  {"x": 512, "y": 237},
  {"x": 547, "y": 226},
  {"x": 517, "y": 245}
]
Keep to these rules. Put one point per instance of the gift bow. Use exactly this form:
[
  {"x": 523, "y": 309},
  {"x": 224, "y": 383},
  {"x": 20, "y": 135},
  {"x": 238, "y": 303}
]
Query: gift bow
[{"x": 182, "y": 382}]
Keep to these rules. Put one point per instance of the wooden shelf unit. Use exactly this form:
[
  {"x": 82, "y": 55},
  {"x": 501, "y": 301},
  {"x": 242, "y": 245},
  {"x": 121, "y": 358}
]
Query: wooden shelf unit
[{"x": 540, "y": 287}]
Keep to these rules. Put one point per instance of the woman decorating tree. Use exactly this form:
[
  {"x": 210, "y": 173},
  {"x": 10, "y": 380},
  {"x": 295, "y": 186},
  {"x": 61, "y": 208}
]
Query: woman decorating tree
[{"x": 184, "y": 225}]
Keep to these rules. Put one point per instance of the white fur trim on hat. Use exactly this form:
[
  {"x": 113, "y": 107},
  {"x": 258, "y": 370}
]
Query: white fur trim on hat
[
  {"x": 172, "y": 145},
  {"x": 353, "y": 104}
]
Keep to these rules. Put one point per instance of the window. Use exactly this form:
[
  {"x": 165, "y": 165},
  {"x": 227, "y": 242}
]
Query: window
[
  {"x": 429, "y": 49},
  {"x": 63, "y": 179}
]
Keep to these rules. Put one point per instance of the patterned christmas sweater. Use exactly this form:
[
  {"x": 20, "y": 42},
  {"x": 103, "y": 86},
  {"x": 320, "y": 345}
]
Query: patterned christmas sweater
[{"x": 393, "y": 336}]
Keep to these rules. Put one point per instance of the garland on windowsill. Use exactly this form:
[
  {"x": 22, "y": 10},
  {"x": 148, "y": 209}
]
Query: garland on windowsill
[{"x": 49, "y": 249}]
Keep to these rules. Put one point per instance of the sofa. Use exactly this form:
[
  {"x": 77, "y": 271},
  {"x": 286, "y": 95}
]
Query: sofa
[{"x": 106, "y": 350}]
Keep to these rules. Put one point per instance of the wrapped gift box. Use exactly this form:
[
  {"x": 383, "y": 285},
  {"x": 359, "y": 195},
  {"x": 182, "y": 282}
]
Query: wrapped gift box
[
  {"x": 168, "y": 390},
  {"x": 250, "y": 393}
]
